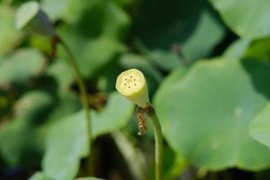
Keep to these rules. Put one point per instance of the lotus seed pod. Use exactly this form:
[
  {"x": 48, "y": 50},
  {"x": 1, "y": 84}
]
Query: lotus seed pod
[
  {"x": 133, "y": 86},
  {"x": 31, "y": 18}
]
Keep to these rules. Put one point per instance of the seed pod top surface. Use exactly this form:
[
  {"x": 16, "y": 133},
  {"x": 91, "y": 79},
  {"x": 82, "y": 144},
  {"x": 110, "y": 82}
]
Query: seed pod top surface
[{"x": 133, "y": 86}]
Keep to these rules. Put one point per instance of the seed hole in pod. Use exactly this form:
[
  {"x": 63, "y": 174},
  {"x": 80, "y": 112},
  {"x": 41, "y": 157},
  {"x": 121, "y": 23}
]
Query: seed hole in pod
[
  {"x": 135, "y": 84},
  {"x": 134, "y": 79},
  {"x": 125, "y": 84},
  {"x": 128, "y": 86},
  {"x": 130, "y": 76},
  {"x": 126, "y": 79}
]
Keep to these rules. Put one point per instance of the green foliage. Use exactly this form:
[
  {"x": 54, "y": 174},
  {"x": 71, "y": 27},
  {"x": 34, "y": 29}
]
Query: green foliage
[
  {"x": 209, "y": 124},
  {"x": 92, "y": 54},
  {"x": 39, "y": 176},
  {"x": 247, "y": 18},
  {"x": 9, "y": 35},
  {"x": 259, "y": 127},
  {"x": 20, "y": 67},
  {"x": 66, "y": 144},
  {"x": 133, "y": 156},
  {"x": 259, "y": 49},
  {"x": 60, "y": 71},
  {"x": 118, "y": 111},
  {"x": 21, "y": 139},
  {"x": 184, "y": 25},
  {"x": 237, "y": 49},
  {"x": 207, "y": 68},
  {"x": 88, "y": 178}
]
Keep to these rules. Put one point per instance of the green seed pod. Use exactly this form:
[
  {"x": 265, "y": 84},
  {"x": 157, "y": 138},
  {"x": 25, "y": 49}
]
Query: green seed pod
[
  {"x": 133, "y": 86},
  {"x": 30, "y": 17}
]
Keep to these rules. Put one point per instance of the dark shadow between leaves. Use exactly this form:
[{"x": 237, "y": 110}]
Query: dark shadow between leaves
[
  {"x": 259, "y": 74},
  {"x": 163, "y": 23}
]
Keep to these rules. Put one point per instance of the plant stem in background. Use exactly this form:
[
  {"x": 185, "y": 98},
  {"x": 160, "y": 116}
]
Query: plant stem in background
[
  {"x": 158, "y": 140},
  {"x": 83, "y": 92}
]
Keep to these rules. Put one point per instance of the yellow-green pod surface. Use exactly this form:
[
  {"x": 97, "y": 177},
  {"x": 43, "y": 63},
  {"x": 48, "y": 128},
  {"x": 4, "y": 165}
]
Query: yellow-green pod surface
[{"x": 133, "y": 86}]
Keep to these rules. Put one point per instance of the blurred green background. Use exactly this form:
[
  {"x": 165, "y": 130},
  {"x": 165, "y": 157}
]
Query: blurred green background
[{"x": 208, "y": 73}]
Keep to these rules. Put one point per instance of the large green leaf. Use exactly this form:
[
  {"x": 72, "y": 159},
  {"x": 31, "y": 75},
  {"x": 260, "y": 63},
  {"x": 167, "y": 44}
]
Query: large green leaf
[
  {"x": 167, "y": 84},
  {"x": 260, "y": 126},
  {"x": 9, "y": 35},
  {"x": 39, "y": 176},
  {"x": 67, "y": 142},
  {"x": 20, "y": 67},
  {"x": 216, "y": 100},
  {"x": 115, "y": 115},
  {"x": 247, "y": 18}
]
